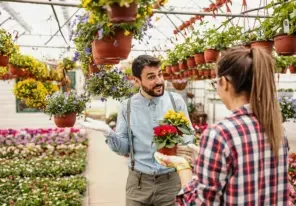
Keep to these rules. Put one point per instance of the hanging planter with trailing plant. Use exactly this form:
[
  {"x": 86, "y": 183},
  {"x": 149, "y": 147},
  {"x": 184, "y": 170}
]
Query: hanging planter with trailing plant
[
  {"x": 199, "y": 58},
  {"x": 7, "y": 47},
  {"x": 285, "y": 44},
  {"x": 211, "y": 55},
  {"x": 266, "y": 45}
]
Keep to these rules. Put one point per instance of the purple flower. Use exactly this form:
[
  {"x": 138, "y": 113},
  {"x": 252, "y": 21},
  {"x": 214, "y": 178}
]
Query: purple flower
[
  {"x": 76, "y": 55},
  {"x": 88, "y": 51},
  {"x": 100, "y": 33}
]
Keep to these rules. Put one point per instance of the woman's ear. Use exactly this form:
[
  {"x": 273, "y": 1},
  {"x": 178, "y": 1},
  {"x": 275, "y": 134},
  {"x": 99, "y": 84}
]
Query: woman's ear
[{"x": 224, "y": 84}]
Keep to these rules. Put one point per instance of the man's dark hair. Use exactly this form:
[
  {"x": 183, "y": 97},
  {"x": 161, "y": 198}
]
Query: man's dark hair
[{"x": 144, "y": 60}]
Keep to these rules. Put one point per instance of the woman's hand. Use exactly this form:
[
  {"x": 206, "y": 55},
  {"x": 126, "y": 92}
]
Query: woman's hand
[{"x": 179, "y": 163}]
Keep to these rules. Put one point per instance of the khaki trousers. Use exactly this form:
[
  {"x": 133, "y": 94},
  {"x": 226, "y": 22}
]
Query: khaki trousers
[{"x": 150, "y": 190}]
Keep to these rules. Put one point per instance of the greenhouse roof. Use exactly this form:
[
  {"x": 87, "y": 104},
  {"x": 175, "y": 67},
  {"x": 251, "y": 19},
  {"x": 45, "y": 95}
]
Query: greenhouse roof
[{"x": 38, "y": 33}]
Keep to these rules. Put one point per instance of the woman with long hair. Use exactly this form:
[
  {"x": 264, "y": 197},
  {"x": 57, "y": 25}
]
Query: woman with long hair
[{"x": 243, "y": 159}]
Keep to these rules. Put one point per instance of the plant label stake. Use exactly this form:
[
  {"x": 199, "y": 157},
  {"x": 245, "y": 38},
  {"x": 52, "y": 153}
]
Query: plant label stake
[{"x": 286, "y": 26}]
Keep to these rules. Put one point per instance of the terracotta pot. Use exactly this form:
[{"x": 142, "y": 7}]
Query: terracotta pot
[
  {"x": 115, "y": 47},
  {"x": 179, "y": 85},
  {"x": 292, "y": 69},
  {"x": 200, "y": 72},
  {"x": 4, "y": 61},
  {"x": 284, "y": 70},
  {"x": 168, "y": 151},
  {"x": 213, "y": 73},
  {"x": 191, "y": 62},
  {"x": 183, "y": 65},
  {"x": 195, "y": 72},
  {"x": 285, "y": 44},
  {"x": 211, "y": 55},
  {"x": 168, "y": 69},
  {"x": 18, "y": 72},
  {"x": 106, "y": 61},
  {"x": 92, "y": 68},
  {"x": 68, "y": 120},
  {"x": 267, "y": 45},
  {"x": 118, "y": 14},
  {"x": 199, "y": 58},
  {"x": 207, "y": 72},
  {"x": 175, "y": 69}
]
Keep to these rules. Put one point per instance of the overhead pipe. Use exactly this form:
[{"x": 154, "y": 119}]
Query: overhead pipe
[{"x": 58, "y": 3}]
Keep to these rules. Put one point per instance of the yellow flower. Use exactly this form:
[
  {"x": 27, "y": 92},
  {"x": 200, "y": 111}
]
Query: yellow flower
[
  {"x": 126, "y": 33},
  {"x": 91, "y": 19},
  {"x": 138, "y": 16},
  {"x": 173, "y": 116},
  {"x": 85, "y": 3},
  {"x": 109, "y": 24},
  {"x": 149, "y": 9}
]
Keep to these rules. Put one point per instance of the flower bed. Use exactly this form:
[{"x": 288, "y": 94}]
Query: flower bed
[{"x": 42, "y": 166}]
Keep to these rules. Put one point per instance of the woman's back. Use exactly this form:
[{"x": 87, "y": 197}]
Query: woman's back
[{"x": 252, "y": 175}]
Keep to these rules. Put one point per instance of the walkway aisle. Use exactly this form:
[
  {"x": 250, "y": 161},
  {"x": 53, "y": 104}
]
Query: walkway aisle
[{"x": 106, "y": 173}]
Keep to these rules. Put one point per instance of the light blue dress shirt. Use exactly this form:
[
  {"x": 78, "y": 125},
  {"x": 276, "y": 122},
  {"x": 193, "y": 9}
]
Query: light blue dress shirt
[{"x": 145, "y": 115}]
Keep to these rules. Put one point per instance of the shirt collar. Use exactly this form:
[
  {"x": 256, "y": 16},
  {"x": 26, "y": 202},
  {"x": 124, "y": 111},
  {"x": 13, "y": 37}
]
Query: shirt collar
[
  {"x": 243, "y": 110},
  {"x": 148, "y": 102}
]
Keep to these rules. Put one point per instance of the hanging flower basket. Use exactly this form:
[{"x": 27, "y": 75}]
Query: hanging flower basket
[
  {"x": 195, "y": 72},
  {"x": 118, "y": 14},
  {"x": 18, "y": 72},
  {"x": 285, "y": 44},
  {"x": 179, "y": 84},
  {"x": 267, "y": 45},
  {"x": 183, "y": 65},
  {"x": 199, "y": 58},
  {"x": 113, "y": 47},
  {"x": 292, "y": 69},
  {"x": 168, "y": 151},
  {"x": 3, "y": 61},
  {"x": 211, "y": 55},
  {"x": 106, "y": 61},
  {"x": 67, "y": 120},
  {"x": 191, "y": 62}
]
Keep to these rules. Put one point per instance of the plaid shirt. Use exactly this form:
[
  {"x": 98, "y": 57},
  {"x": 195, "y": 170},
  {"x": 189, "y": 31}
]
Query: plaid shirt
[{"x": 235, "y": 166}]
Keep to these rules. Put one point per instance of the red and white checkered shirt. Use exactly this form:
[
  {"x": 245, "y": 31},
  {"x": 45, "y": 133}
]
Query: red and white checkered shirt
[{"x": 236, "y": 166}]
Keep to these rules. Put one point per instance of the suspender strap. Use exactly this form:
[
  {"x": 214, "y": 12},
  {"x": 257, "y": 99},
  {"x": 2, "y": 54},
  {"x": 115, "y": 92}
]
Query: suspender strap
[
  {"x": 173, "y": 101},
  {"x": 130, "y": 134}
]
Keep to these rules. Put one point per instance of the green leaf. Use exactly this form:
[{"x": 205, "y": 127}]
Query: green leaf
[
  {"x": 160, "y": 145},
  {"x": 185, "y": 130},
  {"x": 171, "y": 145}
]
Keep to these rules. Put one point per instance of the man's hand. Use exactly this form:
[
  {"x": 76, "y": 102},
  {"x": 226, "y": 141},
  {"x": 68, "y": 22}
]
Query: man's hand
[
  {"x": 179, "y": 163},
  {"x": 95, "y": 125},
  {"x": 189, "y": 152}
]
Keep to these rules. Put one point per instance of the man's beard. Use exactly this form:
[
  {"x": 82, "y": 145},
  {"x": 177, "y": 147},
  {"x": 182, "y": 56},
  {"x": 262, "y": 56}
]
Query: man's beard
[{"x": 151, "y": 91}]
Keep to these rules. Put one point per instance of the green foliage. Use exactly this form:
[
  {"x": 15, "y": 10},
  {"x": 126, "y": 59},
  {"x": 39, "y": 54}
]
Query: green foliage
[
  {"x": 109, "y": 84},
  {"x": 7, "y": 46}
]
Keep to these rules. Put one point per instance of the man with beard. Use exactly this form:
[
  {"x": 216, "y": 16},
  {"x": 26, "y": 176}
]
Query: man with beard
[{"x": 149, "y": 183}]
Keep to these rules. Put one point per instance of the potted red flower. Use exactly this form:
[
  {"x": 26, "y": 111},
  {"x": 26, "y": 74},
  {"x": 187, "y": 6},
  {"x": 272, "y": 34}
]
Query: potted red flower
[{"x": 166, "y": 138}]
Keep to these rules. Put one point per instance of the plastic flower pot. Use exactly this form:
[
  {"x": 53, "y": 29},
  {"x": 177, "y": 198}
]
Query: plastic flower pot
[
  {"x": 211, "y": 55},
  {"x": 267, "y": 45},
  {"x": 195, "y": 72},
  {"x": 118, "y": 14},
  {"x": 168, "y": 69},
  {"x": 168, "y": 151},
  {"x": 106, "y": 61},
  {"x": 4, "y": 61},
  {"x": 285, "y": 44},
  {"x": 18, "y": 72},
  {"x": 92, "y": 68},
  {"x": 175, "y": 69},
  {"x": 113, "y": 47},
  {"x": 191, "y": 62},
  {"x": 200, "y": 72},
  {"x": 199, "y": 58},
  {"x": 292, "y": 69},
  {"x": 183, "y": 65},
  {"x": 67, "y": 120}
]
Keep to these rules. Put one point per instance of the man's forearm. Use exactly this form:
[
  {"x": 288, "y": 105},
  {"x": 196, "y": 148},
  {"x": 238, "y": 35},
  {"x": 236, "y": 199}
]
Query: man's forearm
[
  {"x": 185, "y": 176},
  {"x": 117, "y": 144}
]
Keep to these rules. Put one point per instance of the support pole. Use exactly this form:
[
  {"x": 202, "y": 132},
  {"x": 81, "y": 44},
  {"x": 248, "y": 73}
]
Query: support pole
[
  {"x": 6, "y": 20},
  {"x": 59, "y": 3}
]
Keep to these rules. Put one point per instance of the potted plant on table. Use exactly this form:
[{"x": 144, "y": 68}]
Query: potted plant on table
[
  {"x": 281, "y": 64},
  {"x": 288, "y": 108},
  {"x": 65, "y": 107},
  {"x": 6, "y": 47},
  {"x": 170, "y": 132},
  {"x": 292, "y": 64}
]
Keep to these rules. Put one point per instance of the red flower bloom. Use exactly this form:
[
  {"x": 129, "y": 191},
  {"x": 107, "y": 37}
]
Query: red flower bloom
[{"x": 164, "y": 130}]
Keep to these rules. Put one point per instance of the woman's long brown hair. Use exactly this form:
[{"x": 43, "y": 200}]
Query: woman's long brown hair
[{"x": 252, "y": 72}]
